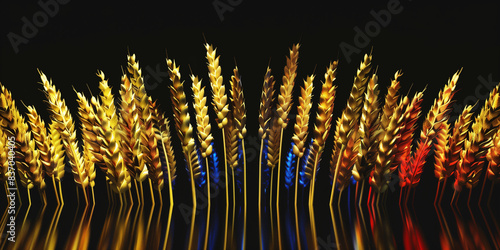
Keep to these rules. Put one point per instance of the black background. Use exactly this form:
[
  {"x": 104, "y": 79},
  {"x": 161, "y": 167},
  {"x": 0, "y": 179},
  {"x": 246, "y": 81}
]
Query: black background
[{"x": 428, "y": 41}]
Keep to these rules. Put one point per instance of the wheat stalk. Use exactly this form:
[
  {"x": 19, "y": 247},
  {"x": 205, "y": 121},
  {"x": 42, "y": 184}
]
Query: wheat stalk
[
  {"x": 62, "y": 117},
  {"x": 185, "y": 132},
  {"x": 368, "y": 131},
  {"x": 265, "y": 117},
  {"x": 476, "y": 147},
  {"x": 205, "y": 137},
  {"x": 239, "y": 120}
]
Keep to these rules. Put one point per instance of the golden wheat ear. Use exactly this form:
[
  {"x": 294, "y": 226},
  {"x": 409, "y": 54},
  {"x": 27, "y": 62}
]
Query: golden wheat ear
[
  {"x": 284, "y": 104},
  {"x": 65, "y": 125},
  {"x": 266, "y": 100},
  {"x": 238, "y": 104},
  {"x": 369, "y": 131},
  {"x": 346, "y": 126},
  {"x": 57, "y": 152},
  {"x": 182, "y": 119},
  {"x": 202, "y": 117},
  {"x": 219, "y": 96},
  {"x": 39, "y": 132},
  {"x": 485, "y": 126}
]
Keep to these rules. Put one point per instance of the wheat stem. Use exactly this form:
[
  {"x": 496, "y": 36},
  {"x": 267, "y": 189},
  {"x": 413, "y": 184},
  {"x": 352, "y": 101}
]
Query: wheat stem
[
  {"x": 234, "y": 209},
  {"x": 311, "y": 202},
  {"x": 244, "y": 192},
  {"x": 297, "y": 232},
  {"x": 55, "y": 190},
  {"x": 278, "y": 191},
  {"x": 193, "y": 193},
  {"x": 260, "y": 193},
  {"x": 208, "y": 206},
  {"x": 227, "y": 189},
  {"x": 341, "y": 152},
  {"x": 271, "y": 206}
]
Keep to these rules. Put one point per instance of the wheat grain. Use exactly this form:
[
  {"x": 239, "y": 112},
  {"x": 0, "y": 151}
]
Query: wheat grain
[
  {"x": 266, "y": 100},
  {"x": 441, "y": 151},
  {"x": 202, "y": 117}
]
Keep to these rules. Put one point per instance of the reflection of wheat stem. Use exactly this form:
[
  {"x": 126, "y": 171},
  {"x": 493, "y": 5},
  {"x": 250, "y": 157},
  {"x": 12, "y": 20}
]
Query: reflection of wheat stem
[{"x": 265, "y": 113}]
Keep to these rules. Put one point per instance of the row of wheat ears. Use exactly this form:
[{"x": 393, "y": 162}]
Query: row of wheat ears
[{"x": 371, "y": 141}]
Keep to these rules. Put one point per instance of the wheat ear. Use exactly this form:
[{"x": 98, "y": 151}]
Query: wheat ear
[
  {"x": 385, "y": 154},
  {"x": 62, "y": 117},
  {"x": 457, "y": 139},
  {"x": 39, "y": 132},
  {"x": 185, "y": 133},
  {"x": 107, "y": 119},
  {"x": 205, "y": 137},
  {"x": 485, "y": 126},
  {"x": 391, "y": 100},
  {"x": 350, "y": 116},
  {"x": 130, "y": 131},
  {"x": 239, "y": 118},
  {"x": 369, "y": 132},
  {"x": 411, "y": 115}
]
